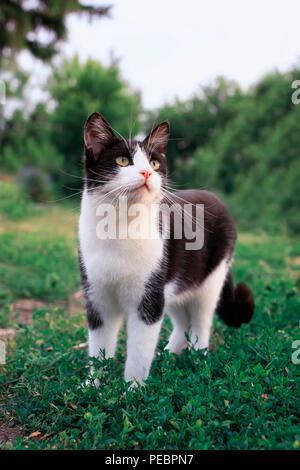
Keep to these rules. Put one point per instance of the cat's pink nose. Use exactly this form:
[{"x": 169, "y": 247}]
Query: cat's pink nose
[{"x": 146, "y": 173}]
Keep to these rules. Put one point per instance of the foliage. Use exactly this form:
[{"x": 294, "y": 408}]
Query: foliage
[
  {"x": 223, "y": 139},
  {"x": 14, "y": 203},
  {"x": 38, "y": 28},
  {"x": 193, "y": 121},
  {"x": 78, "y": 90},
  {"x": 51, "y": 137},
  {"x": 235, "y": 142}
]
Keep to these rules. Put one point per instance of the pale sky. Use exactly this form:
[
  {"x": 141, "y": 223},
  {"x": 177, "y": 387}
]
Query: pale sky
[{"x": 169, "y": 48}]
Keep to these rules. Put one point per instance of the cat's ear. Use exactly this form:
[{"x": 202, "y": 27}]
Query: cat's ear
[
  {"x": 158, "y": 138},
  {"x": 97, "y": 134}
]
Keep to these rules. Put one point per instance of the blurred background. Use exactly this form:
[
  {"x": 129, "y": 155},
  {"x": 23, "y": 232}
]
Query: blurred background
[{"x": 222, "y": 73}]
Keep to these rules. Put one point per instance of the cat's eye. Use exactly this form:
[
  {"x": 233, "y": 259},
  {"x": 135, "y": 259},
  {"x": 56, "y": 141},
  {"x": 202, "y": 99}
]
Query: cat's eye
[
  {"x": 122, "y": 161},
  {"x": 155, "y": 164}
]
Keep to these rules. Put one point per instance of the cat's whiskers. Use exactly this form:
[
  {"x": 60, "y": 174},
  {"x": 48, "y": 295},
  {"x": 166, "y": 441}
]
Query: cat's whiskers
[
  {"x": 65, "y": 197},
  {"x": 189, "y": 216},
  {"x": 119, "y": 191},
  {"x": 189, "y": 202},
  {"x": 69, "y": 174}
]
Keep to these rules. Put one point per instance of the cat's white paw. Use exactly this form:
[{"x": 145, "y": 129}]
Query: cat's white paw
[
  {"x": 89, "y": 382},
  {"x": 135, "y": 384},
  {"x": 175, "y": 348}
]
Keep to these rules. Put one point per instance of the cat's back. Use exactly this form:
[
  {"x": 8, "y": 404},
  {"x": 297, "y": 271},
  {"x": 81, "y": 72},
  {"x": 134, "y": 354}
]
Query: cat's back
[
  {"x": 218, "y": 234},
  {"x": 212, "y": 204},
  {"x": 214, "y": 210}
]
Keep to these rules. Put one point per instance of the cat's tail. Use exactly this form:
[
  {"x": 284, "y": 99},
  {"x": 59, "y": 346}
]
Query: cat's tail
[{"x": 236, "y": 304}]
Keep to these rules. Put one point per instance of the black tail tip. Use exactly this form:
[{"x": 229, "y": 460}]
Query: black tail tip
[
  {"x": 236, "y": 304},
  {"x": 244, "y": 303}
]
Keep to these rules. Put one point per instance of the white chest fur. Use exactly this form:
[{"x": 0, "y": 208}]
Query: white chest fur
[{"x": 120, "y": 266}]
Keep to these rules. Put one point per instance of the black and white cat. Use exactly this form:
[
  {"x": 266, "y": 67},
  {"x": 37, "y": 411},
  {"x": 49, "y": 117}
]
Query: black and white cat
[{"x": 145, "y": 278}]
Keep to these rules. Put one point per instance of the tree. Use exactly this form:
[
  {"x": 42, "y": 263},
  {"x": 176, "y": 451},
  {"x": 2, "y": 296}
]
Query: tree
[
  {"x": 50, "y": 138},
  {"x": 78, "y": 90},
  {"x": 193, "y": 121},
  {"x": 244, "y": 145},
  {"x": 22, "y": 26}
]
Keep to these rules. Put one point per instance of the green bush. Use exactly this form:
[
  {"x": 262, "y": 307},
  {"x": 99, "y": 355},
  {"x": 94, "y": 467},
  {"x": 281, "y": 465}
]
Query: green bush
[
  {"x": 50, "y": 138},
  {"x": 244, "y": 145},
  {"x": 14, "y": 203},
  {"x": 36, "y": 184}
]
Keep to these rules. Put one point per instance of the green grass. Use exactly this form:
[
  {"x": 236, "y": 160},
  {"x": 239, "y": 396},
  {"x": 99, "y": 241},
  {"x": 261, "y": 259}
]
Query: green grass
[
  {"x": 39, "y": 268},
  {"x": 37, "y": 250},
  {"x": 243, "y": 395}
]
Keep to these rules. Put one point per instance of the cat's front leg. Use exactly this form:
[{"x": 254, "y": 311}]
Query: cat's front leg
[
  {"x": 103, "y": 329},
  {"x": 143, "y": 327},
  {"x": 141, "y": 343}
]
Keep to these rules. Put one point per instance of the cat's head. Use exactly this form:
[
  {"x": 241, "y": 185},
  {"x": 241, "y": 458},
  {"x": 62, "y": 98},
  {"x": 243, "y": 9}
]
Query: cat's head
[{"x": 117, "y": 166}]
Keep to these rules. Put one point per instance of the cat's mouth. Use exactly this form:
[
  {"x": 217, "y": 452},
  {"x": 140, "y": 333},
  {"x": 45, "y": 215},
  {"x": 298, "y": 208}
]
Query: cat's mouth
[
  {"x": 141, "y": 187},
  {"x": 144, "y": 186},
  {"x": 143, "y": 191}
]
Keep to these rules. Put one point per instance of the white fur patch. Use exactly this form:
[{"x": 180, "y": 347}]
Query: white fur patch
[
  {"x": 192, "y": 311},
  {"x": 120, "y": 266}
]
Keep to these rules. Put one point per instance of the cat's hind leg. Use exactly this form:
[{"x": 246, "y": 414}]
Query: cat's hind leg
[
  {"x": 203, "y": 305},
  {"x": 179, "y": 316}
]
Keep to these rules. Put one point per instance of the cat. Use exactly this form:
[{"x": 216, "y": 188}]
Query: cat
[{"x": 144, "y": 279}]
